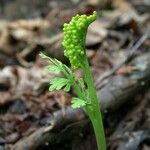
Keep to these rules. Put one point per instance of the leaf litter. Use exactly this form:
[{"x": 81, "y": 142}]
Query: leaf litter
[{"x": 25, "y": 102}]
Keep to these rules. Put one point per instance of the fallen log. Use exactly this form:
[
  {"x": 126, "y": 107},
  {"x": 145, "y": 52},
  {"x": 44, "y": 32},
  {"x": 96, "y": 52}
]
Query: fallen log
[{"x": 119, "y": 90}]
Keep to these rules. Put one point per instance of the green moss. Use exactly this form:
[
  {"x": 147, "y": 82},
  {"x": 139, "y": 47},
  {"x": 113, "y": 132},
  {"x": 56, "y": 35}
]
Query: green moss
[{"x": 74, "y": 38}]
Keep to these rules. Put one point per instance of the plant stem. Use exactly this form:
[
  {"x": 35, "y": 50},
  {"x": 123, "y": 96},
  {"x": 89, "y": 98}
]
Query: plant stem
[
  {"x": 99, "y": 131},
  {"x": 94, "y": 108}
]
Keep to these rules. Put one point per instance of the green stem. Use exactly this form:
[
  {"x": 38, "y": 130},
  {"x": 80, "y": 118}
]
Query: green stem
[
  {"x": 99, "y": 131},
  {"x": 96, "y": 117}
]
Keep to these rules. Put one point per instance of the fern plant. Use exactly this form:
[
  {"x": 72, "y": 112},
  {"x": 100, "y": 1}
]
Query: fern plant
[{"x": 74, "y": 44}]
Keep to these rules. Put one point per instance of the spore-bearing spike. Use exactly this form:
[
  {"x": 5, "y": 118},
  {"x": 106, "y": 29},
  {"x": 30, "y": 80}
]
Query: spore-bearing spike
[{"x": 74, "y": 38}]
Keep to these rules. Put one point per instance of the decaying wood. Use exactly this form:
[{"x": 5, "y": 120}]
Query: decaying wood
[{"x": 117, "y": 92}]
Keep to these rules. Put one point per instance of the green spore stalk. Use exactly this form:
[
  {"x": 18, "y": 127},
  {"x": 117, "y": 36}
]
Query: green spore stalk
[
  {"x": 74, "y": 38},
  {"x": 74, "y": 44}
]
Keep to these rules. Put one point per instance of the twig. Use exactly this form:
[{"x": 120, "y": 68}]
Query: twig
[{"x": 99, "y": 83}]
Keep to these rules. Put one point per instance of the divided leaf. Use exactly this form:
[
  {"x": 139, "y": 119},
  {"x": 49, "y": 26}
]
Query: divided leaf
[
  {"x": 67, "y": 88},
  {"x": 77, "y": 102},
  {"x": 81, "y": 83},
  {"x": 54, "y": 69},
  {"x": 58, "y": 62},
  {"x": 44, "y": 56},
  {"x": 57, "y": 66},
  {"x": 60, "y": 83}
]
